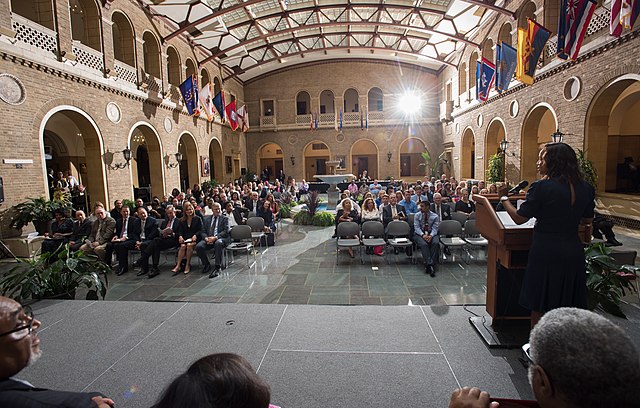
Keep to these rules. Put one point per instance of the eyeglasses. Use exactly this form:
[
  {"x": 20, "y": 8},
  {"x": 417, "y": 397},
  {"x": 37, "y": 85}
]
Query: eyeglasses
[{"x": 25, "y": 329}]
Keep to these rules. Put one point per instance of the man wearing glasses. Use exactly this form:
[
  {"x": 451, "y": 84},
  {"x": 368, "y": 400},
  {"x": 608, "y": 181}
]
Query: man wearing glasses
[{"x": 20, "y": 347}]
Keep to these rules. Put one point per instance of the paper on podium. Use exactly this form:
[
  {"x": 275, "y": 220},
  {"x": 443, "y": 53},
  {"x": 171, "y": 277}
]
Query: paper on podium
[{"x": 508, "y": 223}]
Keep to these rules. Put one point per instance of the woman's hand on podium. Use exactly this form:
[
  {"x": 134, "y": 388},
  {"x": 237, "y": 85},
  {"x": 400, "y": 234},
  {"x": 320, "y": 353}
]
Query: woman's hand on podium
[{"x": 468, "y": 397}]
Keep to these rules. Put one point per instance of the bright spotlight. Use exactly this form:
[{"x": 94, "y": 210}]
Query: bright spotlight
[{"x": 410, "y": 103}]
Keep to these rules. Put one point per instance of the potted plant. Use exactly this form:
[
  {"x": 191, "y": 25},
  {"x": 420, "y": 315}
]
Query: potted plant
[
  {"x": 36, "y": 210},
  {"x": 607, "y": 282},
  {"x": 494, "y": 169},
  {"x": 56, "y": 275}
]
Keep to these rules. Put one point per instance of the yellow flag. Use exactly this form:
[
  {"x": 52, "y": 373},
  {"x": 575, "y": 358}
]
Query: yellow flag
[{"x": 524, "y": 53}]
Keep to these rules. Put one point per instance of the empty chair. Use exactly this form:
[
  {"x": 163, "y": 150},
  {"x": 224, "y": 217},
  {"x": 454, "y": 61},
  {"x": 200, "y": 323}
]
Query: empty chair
[
  {"x": 241, "y": 240},
  {"x": 398, "y": 236},
  {"x": 348, "y": 236},
  {"x": 450, "y": 232},
  {"x": 257, "y": 230},
  {"x": 372, "y": 235},
  {"x": 473, "y": 238},
  {"x": 460, "y": 217}
]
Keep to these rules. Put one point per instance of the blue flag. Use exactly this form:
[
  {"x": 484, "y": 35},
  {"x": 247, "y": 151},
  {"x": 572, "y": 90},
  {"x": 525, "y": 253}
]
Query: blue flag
[
  {"x": 478, "y": 66},
  {"x": 498, "y": 56},
  {"x": 508, "y": 64},
  {"x": 575, "y": 16},
  {"x": 340, "y": 118},
  {"x": 189, "y": 91},
  {"x": 487, "y": 76},
  {"x": 218, "y": 102}
]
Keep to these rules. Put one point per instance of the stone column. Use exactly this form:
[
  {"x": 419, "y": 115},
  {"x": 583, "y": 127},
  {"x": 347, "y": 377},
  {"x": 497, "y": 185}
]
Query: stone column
[
  {"x": 5, "y": 19},
  {"x": 63, "y": 24},
  {"x": 108, "y": 49}
]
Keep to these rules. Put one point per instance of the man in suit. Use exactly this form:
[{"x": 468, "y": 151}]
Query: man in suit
[
  {"x": 148, "y": 232},
  {"x": 215, "y": 234},
  {"x": 441, "y": 209},
  {"x": 81, "y": 230},
  {"x": 127, "y": 234},
  {"x": 167, "y": 238},
  {"x": 252, "y": 202},
  {"x": 425, "y": 225},
  {"x": 20, "y": 347},
  {"x": 393, "y": 211},
  {"x": 102, "y": 231},
  {"x": 421, "y": 195}
]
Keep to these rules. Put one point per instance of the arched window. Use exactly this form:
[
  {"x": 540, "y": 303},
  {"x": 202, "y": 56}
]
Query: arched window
[
  {"x": 191, "y": 67},
  {"x": 462, "y": 78},
  {"x": 551, "y": 15},
  {"x": 351, "y": 101},
  {"x": 216, "y": 86},
  {"x": 327, "y": 102},
  {"x": 85, "y": 23},
  {"x": 527, "y": 11},
  {"x": 204, "y": 77},
  {"x": 123, "y": 39},
  {"x": 39, "y": 11},
  {"x": 487, "y": 50},
  {"x": 375, "y": 98},
  {"x": 151, "y": 51},
  {"x": 303, "y": 103},
  {"x": 173, "y": 65},
  {"x": 505, "y": 33},
  {"x": 473, "y": 67}
]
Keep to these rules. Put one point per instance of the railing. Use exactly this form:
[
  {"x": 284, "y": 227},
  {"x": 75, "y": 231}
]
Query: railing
[
  {"x": 125, "y": 71},
  {"x": 174, "y": 93},
  {"x": 33, "y": 34},
  {"x": 303, "y": 120},
  {"x": 87, "y": 56},
  {"x": 351, "y": 118},
  {"x": 327, "y": 119},
  {"x": 267, "y": 121},
  {"x": 153, "y": 84},
  {"x": 376, "y": 117}
]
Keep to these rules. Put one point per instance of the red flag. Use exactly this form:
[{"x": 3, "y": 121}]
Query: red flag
[{"x": 232, "y": 115}]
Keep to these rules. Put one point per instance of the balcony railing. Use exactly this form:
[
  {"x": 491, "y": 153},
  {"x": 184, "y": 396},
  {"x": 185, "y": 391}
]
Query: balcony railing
[
  {"x": 33, "y": 34},
  {"x": 87, "y": 56},
  {"x": 153, "y": 84},
  {"x": 125, "y": 71},
  {"x": 303, "y": 120},
  {"x": 376, "y": 117},
  {"x": 351, "y": 118},
  {"x": 267, "y": 121}
]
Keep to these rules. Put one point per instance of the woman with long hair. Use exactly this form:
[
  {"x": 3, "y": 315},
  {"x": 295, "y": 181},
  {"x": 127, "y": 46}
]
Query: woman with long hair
[
  {"x": 560, "y": 202},
  {"x": 188, "y": 236},
  {"x": 347, "y": 214}
]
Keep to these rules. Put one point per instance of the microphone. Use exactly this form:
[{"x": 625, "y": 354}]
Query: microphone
[{"x": 519, "y": 187}]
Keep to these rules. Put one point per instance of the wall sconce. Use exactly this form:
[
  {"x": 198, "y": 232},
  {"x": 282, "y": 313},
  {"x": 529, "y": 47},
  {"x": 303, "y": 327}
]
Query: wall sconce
[
  {"x": 126, "y": 153},
  {"x": 178, "y": 157},
  {"x": 557, "y": 136},
  {"x": 504, "y": 143},
  {"x": 293, "y": 160},
  {"x": 389, "y": 154}
]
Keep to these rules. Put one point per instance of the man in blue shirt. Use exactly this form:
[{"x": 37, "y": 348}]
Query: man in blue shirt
[
  {"x": 409, "y": 206},
  {"x": 426, "y": 225},
  {"x": 420, "y": 196},
  {"x": 375, "y": 188}
]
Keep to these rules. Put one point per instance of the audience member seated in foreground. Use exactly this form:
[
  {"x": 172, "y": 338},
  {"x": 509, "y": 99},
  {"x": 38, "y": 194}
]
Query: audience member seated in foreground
[
  {"x": 217, "y": 380},
  {"x": 20, "y": 347},
  {"x": 579, "y": 360}
]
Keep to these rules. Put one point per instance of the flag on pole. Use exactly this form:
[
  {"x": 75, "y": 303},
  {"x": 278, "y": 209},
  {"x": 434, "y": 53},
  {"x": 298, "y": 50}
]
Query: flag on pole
[
  {"x": 232, "y": 115},
  {"x": 498, "y": 57},
  {"x": 508, "y": 63},
  {"x": 366, "y": 120},
  {"x": 361, "y": 120},
  {"x": 478, "y": 66},
  {"x": 316, "y": 122},
  {"x": 206, "y": 100},
  {"x": 189, "y": 91},
  {"x": 575, "y": 16},
  {"x": 531, "y": 42},
  {"x": 310, "y": 121},
  {"x": 624, "y": 14},
  {"x": 487, "y": 76},
  {"x": 335, "y": 120},
  {"x": 340, "y": 119},
  {"x": 615, "y": 28},
  {"x": 218, "y": 102},
  {"x": 243, "y": 118}
]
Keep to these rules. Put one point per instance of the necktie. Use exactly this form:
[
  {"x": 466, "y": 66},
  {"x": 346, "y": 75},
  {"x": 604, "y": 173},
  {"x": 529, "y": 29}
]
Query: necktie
[
  {"x": 124, "y": 228},
  {"x": 394, "y": 211},
  {"x": 214, "y": 226},
  {"x": 425, "y": 227},
  {"x": 439, "y": 212},
  {"x": 142, "y": 226}
]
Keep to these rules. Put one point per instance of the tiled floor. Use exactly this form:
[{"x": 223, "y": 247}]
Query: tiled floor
[{"x": 302, "y": 268}]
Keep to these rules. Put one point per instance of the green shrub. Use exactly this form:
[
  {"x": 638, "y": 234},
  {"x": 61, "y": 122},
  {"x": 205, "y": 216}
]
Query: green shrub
[
  {"x": 323, "y": 219},
  {"x": 494, "y": 170},
  {"x": 285, "y": 210},
  {"x": 129, "y": 203},
  {"x": 302, "y": 218}
]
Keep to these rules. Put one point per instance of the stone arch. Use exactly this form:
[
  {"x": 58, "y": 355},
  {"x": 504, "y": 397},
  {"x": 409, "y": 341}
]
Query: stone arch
[
  {"x": 88, "y": 145},
  {"x": 612, "y": 132},
  {"x": 216, "y": 160},
  {"x": 174, "y": 71},
  {"x": 365, "y": 155},
  {"x": 124, "y": 39},
  {"x": 462, "y": 78},
  {"x": 190, "y": 67},
  {"x": 205, "y": 78},
  {"x": 314, "y": 159},
  {"x": 473, "y": 67},
  {"x": 151, "y": 51},
  {"x": 496, "y": 131},
  {"x": 487, "y": 50},
  {"x": 538, "y": 125},
  {"x": 468, "y": 154},
  {"x": 410, "y": 161},
  {"x": 270, "y": 155},
  {"x": 217, "y": 85},
  {"x": 303, "y": 103},
  {"x": 351, "y": 100},
  {"x": 189, "y": 168},
  {"x": 327, "y": 101},
  {"x": 147, "y": 172},
  {"x": 39, "y": 11},
  {"x": 375, "y": 100},
  {"x": 528, "y": 10},
  {"x": 505, "y": 33},
  {"x": 86, "y": 23}
]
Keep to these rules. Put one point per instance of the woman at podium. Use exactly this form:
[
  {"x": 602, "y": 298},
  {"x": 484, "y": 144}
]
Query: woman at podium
[{"x": 555, "y": 275}]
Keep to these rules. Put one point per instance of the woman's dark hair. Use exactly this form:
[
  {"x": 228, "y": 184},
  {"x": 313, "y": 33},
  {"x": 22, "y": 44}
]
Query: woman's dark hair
[
  {"x": 217, "y": 381},
  {"x": 562, "y": 163},
  {"x": 186, "y": 204}
]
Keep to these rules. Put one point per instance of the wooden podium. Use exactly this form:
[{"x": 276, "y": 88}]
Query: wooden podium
[{"x": 506, "y": 262}]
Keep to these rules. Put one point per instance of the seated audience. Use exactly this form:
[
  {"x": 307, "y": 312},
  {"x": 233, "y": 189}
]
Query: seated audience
[
  {"x": 188, "y": 237},
  {"x": 148, "y": 233},
  {"x": 217, "y": 380},
  {"x": 167, "y": 239},
  {"x": 375, "y": 187},
  {"x": 410, "y": 207},
  {"x": 125, "y": 238},
  {"x": 603, "y": 226},
  {"x": 266, "y": 213},
  {"x": 442, "y": 209},
  {"x": 578, "y": 359},
  {"x": 425, "y": 226},
  {"x": 369, "y": 211},
  {"x": 81, "y": 230},
  {"x": 464, "y": 205},
  {"x": 393, "y": 211},
  {"x": 102, "y": 230},
  {"x": 347, "y": 214},
  {"x": 115, "y": 211},
  {"x": 61, "y": 230},
  {"x": 19, "y": 348},
  {"x": 214, "y": 235}
]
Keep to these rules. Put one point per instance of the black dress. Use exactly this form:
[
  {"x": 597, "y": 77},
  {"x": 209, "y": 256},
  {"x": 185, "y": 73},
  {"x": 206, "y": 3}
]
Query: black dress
[{"x": 556, "y": 275}]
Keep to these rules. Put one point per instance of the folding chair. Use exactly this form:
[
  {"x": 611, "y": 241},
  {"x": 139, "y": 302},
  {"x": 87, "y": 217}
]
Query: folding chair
[
  {"x": 241, "y": 240},
  {"x": 257, "y": 230},
  {"x": 399, "y": 236},
  {"x": 347, "y": 229},
  {"x": 450, "y": 233},
  {"x": 460, "y": 217},
  {"x": 372, "y": 233},
  {"x": 473, "y": 238}
]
